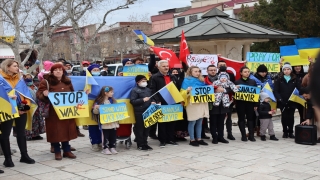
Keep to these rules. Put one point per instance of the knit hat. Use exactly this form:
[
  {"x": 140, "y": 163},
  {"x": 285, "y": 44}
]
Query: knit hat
[
  {"x": 139, "y": 78},
  {"x": 263, "y": 96},
  {"x": 47, "y": 65},
  {"x": 223, "y": 75},
  {"x": 93, "y": 66},
  {"x": 287, "y": 65},
  {"x": 262, "y": 68},
  {"x": 124, "y": 61}
]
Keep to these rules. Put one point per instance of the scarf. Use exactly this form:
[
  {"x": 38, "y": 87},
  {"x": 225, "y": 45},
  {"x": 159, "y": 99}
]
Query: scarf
[
  {"x": 191, "y": 82},
  {"x": 287, "y": 78}
]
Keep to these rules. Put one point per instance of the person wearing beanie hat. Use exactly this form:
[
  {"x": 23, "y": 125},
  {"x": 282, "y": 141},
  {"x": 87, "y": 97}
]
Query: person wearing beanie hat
[
  {"x": 126, "y": 62},
  {"x": 140, "y": 100},
  {"x": 94, "y": 69},
  {"x": 46, "y": 69},
  {"x": 265, "y": 116},
  {"x": 283, "y": 88}
]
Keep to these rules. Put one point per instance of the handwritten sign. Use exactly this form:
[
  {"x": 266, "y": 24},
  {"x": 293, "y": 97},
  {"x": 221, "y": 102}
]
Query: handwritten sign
[
  {"x": 248, "y": 93},
  {"x": 202, "y": 61},
  {"x": 171, "y": 113},
  {"x": 263, "y": 57},
  {"x": 152, "y": 115},
  {"x": 139, "y": 69},
  {"x": 70, "y": 104},
  {"x": 202, "y": 94},
  {"x": 272, "y": 67},
  {"x": 113, "y": 112}
]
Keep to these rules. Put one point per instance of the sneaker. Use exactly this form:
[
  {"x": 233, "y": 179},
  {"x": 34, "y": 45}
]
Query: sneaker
[
  {"x": 95, "y": 148},
  {"x": 194, "y": 143},
  {"x": 106, "y": 151},
  {"x": 149, "y": 148},
  {"x": 162, "y": 145},
  {"x": 273, "y": 137},
  {"x": 263, "y": 138},
  {"x": 291, "y": 136},
  {"x": 113, "y": 151},
  {"x": 142, "y": 148},
  {"x": 201, "y": 142},
  {"x": 172, "y": 143}
]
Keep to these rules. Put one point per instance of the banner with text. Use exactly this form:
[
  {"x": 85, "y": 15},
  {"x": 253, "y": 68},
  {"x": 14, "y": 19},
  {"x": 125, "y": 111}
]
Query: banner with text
[
  {"x": 202, "y": 61},
  {"x": 171, "y": 113},
  {"x": 139, "y": 69},
  {"x": 202, "y": 94},
  {"x": 113, "y": 112},
  {"x": 152, "y": 115},
  {"x": 70, "y": 104},
  {"x": 271, "y": 60},
  {"x": 248, "y": 93}
]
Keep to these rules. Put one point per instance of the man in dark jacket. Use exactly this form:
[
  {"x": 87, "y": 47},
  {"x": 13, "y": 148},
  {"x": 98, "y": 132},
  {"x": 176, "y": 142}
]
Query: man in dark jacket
[
  {"x": 140, "y": 100},
  {"x": 158, "y": 81}
]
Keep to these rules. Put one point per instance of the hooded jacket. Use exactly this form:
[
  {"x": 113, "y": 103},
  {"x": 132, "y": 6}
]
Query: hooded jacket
[{"x": 264, "y": 107}]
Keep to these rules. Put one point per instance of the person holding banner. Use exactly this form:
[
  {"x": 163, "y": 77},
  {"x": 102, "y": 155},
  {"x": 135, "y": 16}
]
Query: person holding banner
[
  {"x": 283, "y": 88},
  {"x": 195, "y": 111},
  {"x": 140, "y": 100},
  {"x": 109, "y": 130},
  {"x": 58, "y": 130},
  {"x": 10, "y": 80},
  {"x": 246, "y": 107}
]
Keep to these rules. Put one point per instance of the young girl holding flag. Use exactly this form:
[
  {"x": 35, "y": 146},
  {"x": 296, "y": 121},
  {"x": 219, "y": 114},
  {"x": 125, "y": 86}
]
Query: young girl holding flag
[
  {"x": 109, "y": 130},
  {"x": 196, "y": 111}
]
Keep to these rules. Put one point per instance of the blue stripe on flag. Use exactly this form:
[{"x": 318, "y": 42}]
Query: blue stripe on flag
[
  {"x": 307, "y": 43},
  {"x": 166, "y": 95},
  {"x": 289, "y": 50}
]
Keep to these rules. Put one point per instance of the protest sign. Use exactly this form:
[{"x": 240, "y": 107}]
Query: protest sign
[
  {"x": 263, "y": 57},
  {"x": 248, "y": 93},
  {"x": 113, "y": 112},
  {"x": 70, "y": 104},
  {"x": 171, "y": 113},
  {"x": 152, "y": 115},
  {"x": 202, "y": 94},
  {"x": 139, "y": 69},
  {"x": 272, "y": 67},
  {"x": 202, "y": 61}
]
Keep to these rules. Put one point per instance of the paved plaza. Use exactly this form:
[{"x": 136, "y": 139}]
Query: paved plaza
[{"x": 237, "y": 160}]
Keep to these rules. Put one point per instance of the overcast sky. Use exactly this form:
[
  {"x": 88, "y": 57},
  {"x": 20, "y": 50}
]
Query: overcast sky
[{"x": 150, "y": 7}]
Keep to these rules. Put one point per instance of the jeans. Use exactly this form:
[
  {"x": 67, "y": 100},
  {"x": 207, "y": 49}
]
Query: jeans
[
  {"x": 198, "y": 125},
  {"x": 95, "y": 134},
  {"x": 65, "y": 147}
]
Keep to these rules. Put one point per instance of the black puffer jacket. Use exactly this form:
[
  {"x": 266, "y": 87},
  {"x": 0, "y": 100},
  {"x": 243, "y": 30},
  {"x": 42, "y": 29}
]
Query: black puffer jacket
[
  {"x": 264, "y": 109},
  {"x": 283, "y": 90},
  {"x": 136, "y": 99}
]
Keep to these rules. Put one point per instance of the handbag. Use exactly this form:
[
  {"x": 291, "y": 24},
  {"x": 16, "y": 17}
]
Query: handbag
[{"x": 44, "y": 107}]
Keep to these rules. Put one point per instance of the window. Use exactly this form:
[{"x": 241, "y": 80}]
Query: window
[
  {"x": 193, "y": 18},
  {"x": 181, "y": 21}
]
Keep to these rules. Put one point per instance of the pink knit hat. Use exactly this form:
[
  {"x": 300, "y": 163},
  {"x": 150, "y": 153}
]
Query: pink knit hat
[{"x": 47, "y": 65}]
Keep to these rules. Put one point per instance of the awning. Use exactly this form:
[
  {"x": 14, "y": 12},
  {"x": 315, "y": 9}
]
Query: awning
[{"x": 6, "y": 53}]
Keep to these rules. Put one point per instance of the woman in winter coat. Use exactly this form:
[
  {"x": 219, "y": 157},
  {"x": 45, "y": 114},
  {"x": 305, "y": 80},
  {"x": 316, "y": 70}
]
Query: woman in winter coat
[
  {"x": 58, "y": 130},
  {"x": 300, "y": 74},
  {"x": 283, "y": 88}
]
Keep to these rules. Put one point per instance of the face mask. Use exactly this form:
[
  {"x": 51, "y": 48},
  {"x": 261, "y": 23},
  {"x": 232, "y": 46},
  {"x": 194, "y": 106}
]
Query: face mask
[
  {"x": 95, "y": 73},
  {"x": 85, "y": 68},
  {"x": 143, "y": 84}
]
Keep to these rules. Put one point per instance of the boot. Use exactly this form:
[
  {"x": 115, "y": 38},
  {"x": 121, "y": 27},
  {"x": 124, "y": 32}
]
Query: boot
[
  {"x": 258, "y": 131},
  {"x": 242, "y": 127},
  {"x": 285, "y": 135},
  {"x": 58, "y": 156},
  {"x": 69, "y": 155},
  {"x": 273, "y": 137},
  {"x": 22, "y": 144},
  {"x": 80, "y": 134},
  {"x": 251, "y": 131},
  {"x": 5, "y": 145},
  {"x": 291, "y": 136},
  {"x": 230, "y": 136},
  {"x": 263, "y": 138},
  {"x": 1, "y": 171}
]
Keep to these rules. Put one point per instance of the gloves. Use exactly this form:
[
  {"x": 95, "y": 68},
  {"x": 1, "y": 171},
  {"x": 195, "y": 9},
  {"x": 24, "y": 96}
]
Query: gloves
[{"x": 23, "y": 107}]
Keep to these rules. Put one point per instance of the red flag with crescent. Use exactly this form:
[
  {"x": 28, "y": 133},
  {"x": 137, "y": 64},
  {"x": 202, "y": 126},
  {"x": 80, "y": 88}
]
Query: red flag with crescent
[
  {"x": 233, "y": 66},
  {"x": 184, "y": 49},
  {"x": 167, "y": 54}
]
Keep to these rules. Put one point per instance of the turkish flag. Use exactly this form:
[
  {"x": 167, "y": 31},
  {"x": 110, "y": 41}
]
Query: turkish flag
[
  {"x": 233, "y": 66},
  {"x": 167, "y": 54},
  {"x": 184, "y": 49}
]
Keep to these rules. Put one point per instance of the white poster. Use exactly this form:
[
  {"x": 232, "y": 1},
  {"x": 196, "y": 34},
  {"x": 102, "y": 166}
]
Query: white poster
[{"x": 202, "y": 61}]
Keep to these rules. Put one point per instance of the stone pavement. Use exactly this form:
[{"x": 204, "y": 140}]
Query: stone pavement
[{"x": 237, "y": 160}]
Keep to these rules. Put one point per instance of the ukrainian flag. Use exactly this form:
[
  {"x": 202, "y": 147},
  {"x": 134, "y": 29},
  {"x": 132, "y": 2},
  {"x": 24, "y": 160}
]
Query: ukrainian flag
[
  {"x": 290, "y": 54},
  {"x": 189, "y": 82},
  {"x": 295, "y": 97},
  {"x": 171, "y": 94},
  {"x": 267, "y": 89},
  {"x": 122, "y": 89},
  {"x": 6, "y": 106},
  {"x": 89, "y": 82},
  {"x": 143, "y": 37},
  {"x": 308, "y": 47}
]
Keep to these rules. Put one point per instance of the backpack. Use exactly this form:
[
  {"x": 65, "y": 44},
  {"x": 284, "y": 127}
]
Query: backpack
[{"x": 44, "y": 107}]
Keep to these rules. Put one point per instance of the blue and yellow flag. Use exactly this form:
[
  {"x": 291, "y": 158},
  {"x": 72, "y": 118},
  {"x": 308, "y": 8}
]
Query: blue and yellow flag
[
  {"x": 295, "y": 97},
  {"x": 122, "y": 89},
  {"x": 90, "y": 81},
  {"x": 189, "y": 82},
  {"x": 171, "y": 94},
  {"x": 145, "y": 39},
  {"x": 308, "y": 47},
  {"x": 290, "y": 54},
  {"x": 7, "y": 108},
  {"x": 267, "y": 89}
]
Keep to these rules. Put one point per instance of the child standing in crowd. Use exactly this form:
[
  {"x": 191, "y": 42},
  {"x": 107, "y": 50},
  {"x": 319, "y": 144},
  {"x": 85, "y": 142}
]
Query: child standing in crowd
[
  {"x": 109, "y": 130},
  {"x": 140, "y": 100},
  {"x": 265, "y": 116}
]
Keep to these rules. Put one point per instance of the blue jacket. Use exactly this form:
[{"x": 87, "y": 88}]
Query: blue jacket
[{"x": 262, "y": 81}]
